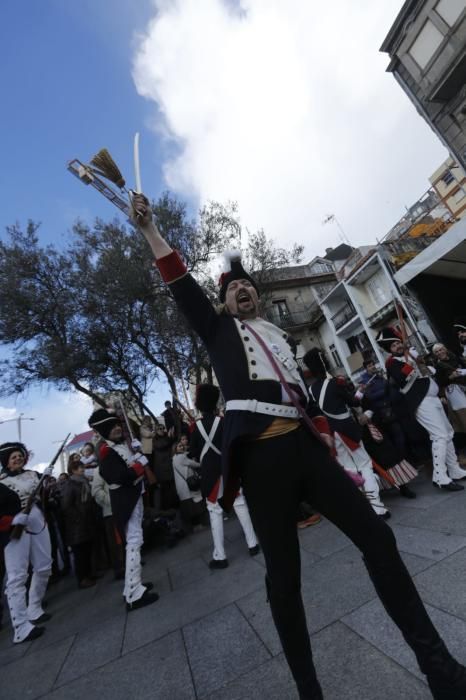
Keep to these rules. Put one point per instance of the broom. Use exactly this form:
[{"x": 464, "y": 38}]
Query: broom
[{"x": 103, "y": 164}]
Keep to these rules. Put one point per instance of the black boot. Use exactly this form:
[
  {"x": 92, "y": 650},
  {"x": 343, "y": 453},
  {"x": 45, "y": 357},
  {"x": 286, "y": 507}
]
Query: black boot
[
  {"x": 399, "y": 596},
  {"x": 290, "y": 621}
]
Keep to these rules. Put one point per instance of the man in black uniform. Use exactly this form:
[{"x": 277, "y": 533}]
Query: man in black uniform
[
  {"x": 205, "y": 447},
  {"x": 124, "y": 473},
  {"x": 280, "y": 461},
  {"x": 421, "y": 396}
]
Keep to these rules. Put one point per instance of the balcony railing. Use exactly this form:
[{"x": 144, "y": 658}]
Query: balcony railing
[
  {"x": 343, "y": 315},
  {"x": 289, "y": 319}
]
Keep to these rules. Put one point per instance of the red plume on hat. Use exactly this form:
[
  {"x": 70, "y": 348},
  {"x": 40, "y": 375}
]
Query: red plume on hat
[
  {"x": 233, "y": 270},
  {"x": 387, "y": 336}
]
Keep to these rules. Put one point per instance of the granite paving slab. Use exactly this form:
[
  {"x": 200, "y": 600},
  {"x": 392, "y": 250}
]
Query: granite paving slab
[
  {"x": 444, "y": 585},
  {"x": 372, "y": 622},
  {"x": 33, "y": 675},
  {"x": 160, "y": 671},
  {"x": 427, "y": 543},
  {"x": 449, "y": 518},
  {"x": 323, "y": 539},
  {"x": 12, "y": 652},
  {"x": 192, "y": 602},
  {"x": 349, "y": 668},
  {"x": 93, "y": 648},
  {"x": 331, "y": 587},
  {"x": 188, "y": 571},
  {"x": 221, "y": 647},
  {"x": 271, "y": 680}
]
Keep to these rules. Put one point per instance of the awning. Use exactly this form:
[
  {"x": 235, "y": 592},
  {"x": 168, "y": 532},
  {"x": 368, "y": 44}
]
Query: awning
[{"x": 446, "y": 257}]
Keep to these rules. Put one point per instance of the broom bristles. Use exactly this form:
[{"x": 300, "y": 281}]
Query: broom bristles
[{"x": 105, "y": 165}]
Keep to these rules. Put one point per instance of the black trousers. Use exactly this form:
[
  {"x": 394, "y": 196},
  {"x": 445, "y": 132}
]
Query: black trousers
[
  {"x": 82, "y": 560},
  {"x": 277, "y": 474}
]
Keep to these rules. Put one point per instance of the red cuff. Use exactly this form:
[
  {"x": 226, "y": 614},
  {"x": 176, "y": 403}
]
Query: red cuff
[
  {"x": 406, "y": 369},
  {"x": 5, "y": 522},
  {"x": 321, "y": 425},
  {"x": 171, "y": 267},
  {"x": 138, "y": 468},
  {"x": 103, "y": 451}
]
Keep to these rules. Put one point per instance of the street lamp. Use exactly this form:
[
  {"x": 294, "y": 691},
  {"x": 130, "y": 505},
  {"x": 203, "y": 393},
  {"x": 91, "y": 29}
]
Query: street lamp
[{"x": 18, "y": 420}]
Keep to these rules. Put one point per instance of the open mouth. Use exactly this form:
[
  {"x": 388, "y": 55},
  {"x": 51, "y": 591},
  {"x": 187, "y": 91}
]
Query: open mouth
[{"x": 243, "y": 297}]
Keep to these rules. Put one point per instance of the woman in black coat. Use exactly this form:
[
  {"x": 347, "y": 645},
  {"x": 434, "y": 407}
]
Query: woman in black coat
[{"x": 78, "y": 510}]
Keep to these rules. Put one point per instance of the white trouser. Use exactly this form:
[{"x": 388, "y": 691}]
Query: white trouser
[
  {"x": 216, "y": 525},
  {"x": 431, "y": 415},
  {"x": 134, "y": 589},
  {"x": 358, "y": 461},
  {"x": 31, "y": 549}
]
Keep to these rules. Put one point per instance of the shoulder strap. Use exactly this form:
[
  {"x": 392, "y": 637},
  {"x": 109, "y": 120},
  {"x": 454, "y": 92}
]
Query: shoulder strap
[{"x": 208, "y": 439}]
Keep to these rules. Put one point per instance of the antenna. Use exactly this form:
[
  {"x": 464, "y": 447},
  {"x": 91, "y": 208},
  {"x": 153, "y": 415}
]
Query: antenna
[{"x": 332, "y": 219}]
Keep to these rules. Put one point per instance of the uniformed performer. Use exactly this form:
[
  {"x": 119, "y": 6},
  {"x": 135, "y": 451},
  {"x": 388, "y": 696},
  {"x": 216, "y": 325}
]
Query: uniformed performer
[
  {"x": 205, "y": 446},
  {"x": 333, "y": 399},
  {"x": 32, "y": 549},
  {"x": 280, "y": 459},
  {"x": 123, "y": 470},
  {"x": 421, "y": 396}
]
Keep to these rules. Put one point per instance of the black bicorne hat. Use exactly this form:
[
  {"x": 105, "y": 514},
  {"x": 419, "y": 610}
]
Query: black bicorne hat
[
  {"x": 315, "y": 362},
  {"x": 460, "y": 324},
  {"x": 102, "y": 421},
  {"x": 387, "y": 336},
  {"x": 233, "y": 270},
  {"x": 207, "y": 396},
  {"x": 7, "y": 449}
]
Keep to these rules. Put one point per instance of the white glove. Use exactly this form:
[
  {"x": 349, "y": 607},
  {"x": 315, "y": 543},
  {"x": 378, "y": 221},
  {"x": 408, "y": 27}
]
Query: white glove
[
  {"x": 414, "y": 353},
  {"x": 140, "y": 459},
  {"x": 20, "y": 519},
  {"x": 136, "y": 445},
  {"x": 359, "y": 395}
]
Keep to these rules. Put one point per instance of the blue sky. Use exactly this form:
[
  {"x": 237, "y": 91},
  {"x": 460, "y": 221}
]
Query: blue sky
[{"x": 67, "y": 91}]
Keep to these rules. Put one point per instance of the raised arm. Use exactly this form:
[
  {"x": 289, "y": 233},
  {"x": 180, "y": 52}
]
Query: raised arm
[{"x": 189, "y": 296}]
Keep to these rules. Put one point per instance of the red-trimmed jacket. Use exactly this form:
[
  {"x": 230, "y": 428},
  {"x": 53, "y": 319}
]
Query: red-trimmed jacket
[{"x": 221, "y": 336}]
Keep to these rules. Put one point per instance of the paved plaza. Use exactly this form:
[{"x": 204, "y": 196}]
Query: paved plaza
[{"x": 211, "y": 636}]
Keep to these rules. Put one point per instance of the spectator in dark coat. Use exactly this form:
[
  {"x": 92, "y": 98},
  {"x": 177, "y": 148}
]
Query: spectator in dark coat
[
  {"x": 163, "y": 467},
  {"x": 78, "y": 509}
]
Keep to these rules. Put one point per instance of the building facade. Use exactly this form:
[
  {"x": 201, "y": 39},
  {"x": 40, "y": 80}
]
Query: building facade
[
  {"x": 427, "y": 49},
  {"x": 449, "y": 182}
]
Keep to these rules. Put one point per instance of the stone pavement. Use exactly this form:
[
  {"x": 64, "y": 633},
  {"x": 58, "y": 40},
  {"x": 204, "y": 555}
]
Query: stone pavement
[{"x": 211, "y": 636}]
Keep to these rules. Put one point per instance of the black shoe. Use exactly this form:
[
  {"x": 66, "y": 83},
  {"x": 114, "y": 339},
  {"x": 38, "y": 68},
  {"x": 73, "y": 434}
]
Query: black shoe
[
  {"x": 146, "y": 599},
  {"x": 148, "y": 586},
  {"x": 385, "y": 516},
  {"x": 45, "y": 617},
  {"x": 218, "y": 564},
  {"x": 253, "y": 551},
  {"x": 406, "y": 492},
  {"x": 452, "y": 486},
  {"x": 35, "y": 633}
]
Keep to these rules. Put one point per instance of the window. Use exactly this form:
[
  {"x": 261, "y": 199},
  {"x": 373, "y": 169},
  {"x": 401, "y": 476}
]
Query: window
[
  {"x": 459, "y": 196},
  {"x": 426, "y": 44},
  {"x": 450, "y": 10},
  {"x": 447, "y": 177},
  {"x": 335, "y": 356},
  {"x": 321, "y": 268},
  {"x": 377, "y": 286},
  {"x": 281, "y": 307}
]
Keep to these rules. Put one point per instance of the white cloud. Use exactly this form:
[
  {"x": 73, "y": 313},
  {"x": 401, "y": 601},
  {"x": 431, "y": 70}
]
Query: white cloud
[
  {"x": 7, "y": 414},
  {"x": 55, "y": 414},
  {"x": 286, "y": 107}
]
